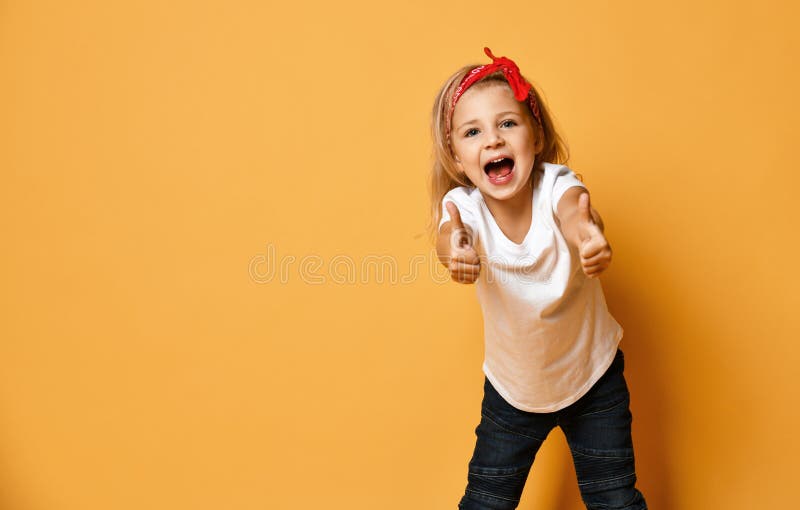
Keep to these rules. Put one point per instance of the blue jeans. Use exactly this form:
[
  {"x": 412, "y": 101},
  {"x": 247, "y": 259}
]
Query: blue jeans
[{"x": 598, "y": 431}]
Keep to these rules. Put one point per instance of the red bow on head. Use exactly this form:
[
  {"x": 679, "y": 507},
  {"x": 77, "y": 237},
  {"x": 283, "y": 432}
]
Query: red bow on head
[{"x": 519, "y": 85}]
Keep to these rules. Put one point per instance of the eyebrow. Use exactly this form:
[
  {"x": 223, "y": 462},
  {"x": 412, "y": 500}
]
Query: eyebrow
[{"x": 476, "y": 120}]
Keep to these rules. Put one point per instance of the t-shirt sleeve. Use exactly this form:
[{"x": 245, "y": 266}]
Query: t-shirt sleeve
[
  {"x": 466, "y": 207},
  {"x": 565, "y": 179}
]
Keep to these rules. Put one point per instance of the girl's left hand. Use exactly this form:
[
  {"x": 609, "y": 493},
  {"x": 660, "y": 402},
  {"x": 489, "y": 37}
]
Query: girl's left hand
[{"x": 594, "y": 249}]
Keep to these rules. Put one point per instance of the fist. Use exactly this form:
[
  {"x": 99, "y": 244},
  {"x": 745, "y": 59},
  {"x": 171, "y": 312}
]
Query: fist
[
  {"x": 595, "y": 252},
  {"x": 464, "y": 265}
]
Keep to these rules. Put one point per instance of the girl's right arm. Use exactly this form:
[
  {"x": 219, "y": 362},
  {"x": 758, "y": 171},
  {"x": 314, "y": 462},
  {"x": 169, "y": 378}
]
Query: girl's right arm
[{"x": 455, "y": 248}]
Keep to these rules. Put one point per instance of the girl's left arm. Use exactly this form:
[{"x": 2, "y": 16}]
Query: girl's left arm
[{"x": 583, "y": 228}]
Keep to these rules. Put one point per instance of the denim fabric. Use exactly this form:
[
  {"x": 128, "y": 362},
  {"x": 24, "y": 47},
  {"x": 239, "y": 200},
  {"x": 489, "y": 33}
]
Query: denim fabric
[{"x": 598, "y": 431}]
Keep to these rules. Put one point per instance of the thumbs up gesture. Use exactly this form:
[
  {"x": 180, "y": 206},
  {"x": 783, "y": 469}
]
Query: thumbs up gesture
[
  {"x": 594, "y": 249},
  {"x": 464, "y": 263}
]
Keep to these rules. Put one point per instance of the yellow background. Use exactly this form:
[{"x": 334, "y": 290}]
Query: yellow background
[{"x": 156, "y": 157}]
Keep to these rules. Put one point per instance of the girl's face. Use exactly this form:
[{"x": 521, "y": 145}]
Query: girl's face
[{"x": 495, "y": 140}]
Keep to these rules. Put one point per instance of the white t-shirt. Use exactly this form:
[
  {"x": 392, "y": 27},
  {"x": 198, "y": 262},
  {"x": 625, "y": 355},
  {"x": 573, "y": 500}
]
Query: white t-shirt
[{"x": 548, "y": 333}]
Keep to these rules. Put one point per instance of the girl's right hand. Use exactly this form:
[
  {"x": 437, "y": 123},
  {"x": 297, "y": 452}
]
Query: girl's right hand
[{"x": 464, "y": 265}]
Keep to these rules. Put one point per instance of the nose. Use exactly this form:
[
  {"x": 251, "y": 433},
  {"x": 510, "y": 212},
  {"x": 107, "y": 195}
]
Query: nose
[{"x": 494, "y": 139}]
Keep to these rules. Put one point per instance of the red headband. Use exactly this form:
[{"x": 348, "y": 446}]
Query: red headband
[{"x": 519, "y": 85}]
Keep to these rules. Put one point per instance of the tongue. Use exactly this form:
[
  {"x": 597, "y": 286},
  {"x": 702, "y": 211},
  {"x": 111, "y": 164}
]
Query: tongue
[{"x": 502, "y": 171}]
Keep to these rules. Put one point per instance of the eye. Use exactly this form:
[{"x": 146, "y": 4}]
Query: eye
[
  {"x": 508, "y": 123},
  {"x": 471, "y": 132}
]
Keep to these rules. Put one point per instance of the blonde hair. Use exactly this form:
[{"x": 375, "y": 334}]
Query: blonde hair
[{"x": 444, "y": 173}]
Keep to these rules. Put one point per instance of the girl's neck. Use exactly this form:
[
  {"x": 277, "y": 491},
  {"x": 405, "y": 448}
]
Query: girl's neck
[{"x": 513, "y": 215}]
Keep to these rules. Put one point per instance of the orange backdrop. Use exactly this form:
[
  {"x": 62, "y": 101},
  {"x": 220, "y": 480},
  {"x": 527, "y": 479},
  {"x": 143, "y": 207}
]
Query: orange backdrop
[{"x": 216, "y": 287}]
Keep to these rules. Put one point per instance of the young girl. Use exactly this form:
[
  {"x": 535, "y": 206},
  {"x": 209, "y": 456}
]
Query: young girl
[{"x": 516, "y": 221}]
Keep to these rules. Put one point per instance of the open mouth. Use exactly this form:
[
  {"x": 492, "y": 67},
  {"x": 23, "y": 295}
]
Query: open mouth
[{"x": 499, "y": 170}]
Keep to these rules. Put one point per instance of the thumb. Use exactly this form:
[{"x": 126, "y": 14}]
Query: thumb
[
  {"x": 455, "y": 215},
  {"x": 459, "y": 237},
  {"x": 584, "y": 210},
  {"x": 585, "y": 220}
]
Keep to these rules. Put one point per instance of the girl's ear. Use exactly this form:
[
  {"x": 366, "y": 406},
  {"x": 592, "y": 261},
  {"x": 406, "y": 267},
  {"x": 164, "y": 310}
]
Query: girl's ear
[{"x": 458, "y": 162}]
